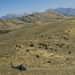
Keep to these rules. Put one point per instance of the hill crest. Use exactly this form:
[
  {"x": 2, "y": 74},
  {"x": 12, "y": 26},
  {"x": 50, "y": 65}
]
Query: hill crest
[{"x": 43, "y": 16}]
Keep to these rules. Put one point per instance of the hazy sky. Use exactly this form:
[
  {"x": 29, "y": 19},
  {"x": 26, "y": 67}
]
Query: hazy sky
[{"x": 20, "y": 6}]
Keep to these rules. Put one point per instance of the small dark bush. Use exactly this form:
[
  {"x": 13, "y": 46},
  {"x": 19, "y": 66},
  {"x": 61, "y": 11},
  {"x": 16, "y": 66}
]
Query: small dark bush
[
  {"x": 51, "y": 48},
  {"x": 48, "y": 42},
  {"x": 67, "y": 58},
  {"x": 30, "y": 42},
  {"x": 37, "y": 56},
  {"x": 56, "y": 50},
  {"x": 41, "y": 36},
  {"x": 62, "y": 44},
  {"x": 35, "y": 33},
  {"x": 46, "y": 47},
  {"x": 49, "y": 38},
  {"x": 69, "y": 52},
  {"x": 66, "y": 38},
  {"x": 16, "y": 45},
  {"x": 48, "y": 61},
  {"x": 59, "y": 45},
  {"x": 68, "y": 30},
  {"x": 40, "y": 44},
  {"x": 27, "y": 50},
  {"x": 19, "y": 46},
  {"x": 31, "y": 45},
  {"x": 67, "y": 46},
  {"x": 39, "y": 47},
  {"x": 52, "y": 55}
]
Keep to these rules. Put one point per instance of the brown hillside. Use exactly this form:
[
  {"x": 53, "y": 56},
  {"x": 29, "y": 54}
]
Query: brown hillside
[{"x": 44, "y": 16}]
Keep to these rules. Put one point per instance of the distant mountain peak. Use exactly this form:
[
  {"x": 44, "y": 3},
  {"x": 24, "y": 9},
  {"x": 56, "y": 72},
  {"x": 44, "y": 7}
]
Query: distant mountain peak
[
  {"x": 67, "y": 11},
  {"x": 14, "y": 15}
]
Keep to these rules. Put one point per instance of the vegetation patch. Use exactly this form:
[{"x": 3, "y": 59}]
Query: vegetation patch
[{"x": 5, "y": 31}]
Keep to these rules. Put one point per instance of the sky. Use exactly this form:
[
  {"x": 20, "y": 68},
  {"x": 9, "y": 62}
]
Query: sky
[{"x": 21, "y": 6}]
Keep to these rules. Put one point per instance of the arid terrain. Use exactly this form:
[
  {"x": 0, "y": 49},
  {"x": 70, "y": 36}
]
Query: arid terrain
[{"x": 43, "y": 42}]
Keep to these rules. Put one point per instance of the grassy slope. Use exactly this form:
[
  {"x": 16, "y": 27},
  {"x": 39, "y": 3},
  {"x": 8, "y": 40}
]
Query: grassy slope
[{"x": 53, "y": 43}]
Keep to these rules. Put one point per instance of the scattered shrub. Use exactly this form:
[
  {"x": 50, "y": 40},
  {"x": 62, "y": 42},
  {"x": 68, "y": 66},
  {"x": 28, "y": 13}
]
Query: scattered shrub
[
  {"x": 55, "y": 50},
  {"x": 30, "y": 42},
  {"x": 68, "y": 30},
  {"x": 69, "y": 52},
  {"x": 41, "y": 36},
  {"x": 59, "y": 45},
  {"x": 65, "y": 38},
  {"x": 27, "y": 50},
  {"x": 39, "y": 47},
  {"x": 31, "y": 45},
  {"x": 49, "y": 38},
  {"x": 37, "y": 56},
  {"x": 51, "y": 48},
  {"x": 18, "y": 46},
  {"x": 35, "y": 33},
  {"x": 67, "y": 58},
  {"x": 52, "y": 55},
  {"x": 48, "y": 61},
  {"x": 67, "y": 46},
  {"x": 62, "y": 44},
  {"x": 40, "y": 44},
  {"x": 46, "y": 47}
]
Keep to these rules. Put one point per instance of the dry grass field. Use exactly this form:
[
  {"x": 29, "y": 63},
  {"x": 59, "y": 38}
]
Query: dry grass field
[{"x": 44, "y": 48}]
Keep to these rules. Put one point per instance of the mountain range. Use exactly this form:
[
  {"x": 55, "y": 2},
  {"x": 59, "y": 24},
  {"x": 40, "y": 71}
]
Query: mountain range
[
  {"x": 14, "y": 15},
  {"x": 66, "y": 11}
]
